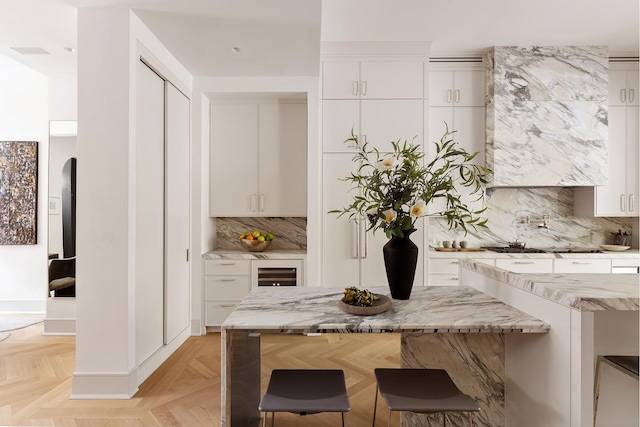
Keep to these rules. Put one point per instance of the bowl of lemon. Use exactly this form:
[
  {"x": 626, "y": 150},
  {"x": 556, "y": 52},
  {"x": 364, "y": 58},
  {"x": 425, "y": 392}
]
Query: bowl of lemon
[{"x": 256, "y": 241}]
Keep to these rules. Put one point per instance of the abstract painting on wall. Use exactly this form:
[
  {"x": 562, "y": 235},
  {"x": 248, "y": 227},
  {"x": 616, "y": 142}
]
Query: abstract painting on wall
[{"x": 18, "y": 192}]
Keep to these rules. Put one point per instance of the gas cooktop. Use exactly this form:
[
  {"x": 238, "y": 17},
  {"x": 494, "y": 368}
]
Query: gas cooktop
[{"x": 508, "y": 250}]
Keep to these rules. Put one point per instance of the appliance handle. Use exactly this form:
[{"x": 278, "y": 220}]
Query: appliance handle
[
  {"x": 623, "y": 95},
  {"x": 449, "y": 96},
  {"x": 366, "y": 239},
  {"x": 632, "y": 95},
  {"x": 623, "y": 202},
  {"x": 261, "y": 203},
  {"x": 457, "y": 96},
  {"x": 355, "y": 88},
  {"x": 364, "y": 88},
  {"x": 253, "y": 203},
  {"x": 632, "y": 202},
  {"x": 355, "y": 248}
]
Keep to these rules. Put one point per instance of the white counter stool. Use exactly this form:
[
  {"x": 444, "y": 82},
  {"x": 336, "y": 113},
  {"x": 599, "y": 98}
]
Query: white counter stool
[
  {"x": 422, "y": 391},
  {"x": 625, "y": 364},
  {"x": 305, "y": 391}
]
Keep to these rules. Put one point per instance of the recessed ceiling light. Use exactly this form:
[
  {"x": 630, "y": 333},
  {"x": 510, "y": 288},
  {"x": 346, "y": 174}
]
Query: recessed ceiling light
[
  {"x": 235, "y": 49},
  {"x": 70, "y": 49}
]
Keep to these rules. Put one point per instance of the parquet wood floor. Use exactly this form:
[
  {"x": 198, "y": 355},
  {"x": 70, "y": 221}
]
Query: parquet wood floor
[{"x": 35, "y": 381}]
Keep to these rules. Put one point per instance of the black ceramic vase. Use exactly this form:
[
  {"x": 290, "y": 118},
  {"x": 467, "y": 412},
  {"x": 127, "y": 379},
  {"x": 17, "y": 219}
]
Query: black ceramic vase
[{"x": 400, "y": 259}]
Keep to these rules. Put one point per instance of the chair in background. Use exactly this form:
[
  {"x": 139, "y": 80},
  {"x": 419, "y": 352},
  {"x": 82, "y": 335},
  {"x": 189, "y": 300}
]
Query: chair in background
[
  {"x": 625, "y": 364},
  {"x": 62, "y": 277},
  {"x": 305, "y": 391},
  {"x": 421, "y": 391}
]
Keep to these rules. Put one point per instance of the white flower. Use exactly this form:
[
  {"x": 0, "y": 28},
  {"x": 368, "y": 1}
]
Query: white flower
[
  {"x": 372, "y": 211},
  {"x": 388, "y": 162},
  {"x": 419, "y": 209},
  {"x": 390, "y": 215}
]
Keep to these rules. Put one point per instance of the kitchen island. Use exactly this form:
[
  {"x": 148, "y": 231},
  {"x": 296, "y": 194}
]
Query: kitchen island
[
  {"x": 458, "y": 329},
  {"x": 589, "y": 315}
]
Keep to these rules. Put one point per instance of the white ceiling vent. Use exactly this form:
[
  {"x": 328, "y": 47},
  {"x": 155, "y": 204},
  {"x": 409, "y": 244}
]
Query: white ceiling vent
[{"x": 30, "y": 50}]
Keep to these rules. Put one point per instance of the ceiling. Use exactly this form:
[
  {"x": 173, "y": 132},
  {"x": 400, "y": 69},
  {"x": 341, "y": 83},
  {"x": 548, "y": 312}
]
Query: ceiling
[{"x": 281, "y": 37}]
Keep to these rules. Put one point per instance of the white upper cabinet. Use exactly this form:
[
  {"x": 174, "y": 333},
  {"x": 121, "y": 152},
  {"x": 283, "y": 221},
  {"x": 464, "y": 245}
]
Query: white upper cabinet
[
  {"x": 623, "y": 87},
  {"x": 372, "y": 80},
  {"x": 461, "y": 88},
  {"x": 258, "y": 159}
]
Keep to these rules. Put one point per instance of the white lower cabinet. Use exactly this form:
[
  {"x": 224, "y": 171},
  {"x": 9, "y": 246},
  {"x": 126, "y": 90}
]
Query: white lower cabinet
[
  {"x": 445, "y": 271},
  {"x": 583, "y": 265},
  {"x": 527, "y": 265},
  {"x": 226, "y": 283}
]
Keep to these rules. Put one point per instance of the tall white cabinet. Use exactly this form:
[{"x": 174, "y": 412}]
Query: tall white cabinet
[
  {"x": 619, "y": 198},
  {"x": 378, "y": 91},
  {"x": 456, "y": 97},
  {"x": 162, "y": 203}
]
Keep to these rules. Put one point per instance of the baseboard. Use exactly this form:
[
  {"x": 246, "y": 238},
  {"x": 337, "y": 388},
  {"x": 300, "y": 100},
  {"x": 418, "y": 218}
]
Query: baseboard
[
  {"x": 23, "y": 306},
  {"x": 88, "y": 385},
  {"x": 146, "y": 368},
  {"x": 59, "y": 327}
]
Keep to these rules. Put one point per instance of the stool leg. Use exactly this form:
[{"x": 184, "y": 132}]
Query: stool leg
[
  {"x": 343, "y": 422},
  {"x": 444, "y": 419},
  {"x": 470, "y": 422},
  {"x": 389, "y": 419},
  {"x": 264, "y": 420},
  {"x": 596, "y": 389},
  {"x": 273, "y": 419},
  {"x": 375, "y": 406}
]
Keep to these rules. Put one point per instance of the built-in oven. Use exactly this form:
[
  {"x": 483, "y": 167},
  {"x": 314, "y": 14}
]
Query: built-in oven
[{"x": 276, "y": 272}]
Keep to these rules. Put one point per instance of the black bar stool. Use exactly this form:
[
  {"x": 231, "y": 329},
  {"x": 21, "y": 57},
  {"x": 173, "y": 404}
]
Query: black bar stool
[
  {"x": 625, "y": 364},
  {"x": 305, "y": 391},
  {"x": 422, "y": 391}
]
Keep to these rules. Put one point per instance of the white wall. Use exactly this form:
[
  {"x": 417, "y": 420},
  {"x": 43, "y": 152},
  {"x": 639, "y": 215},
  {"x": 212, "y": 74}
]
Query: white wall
[
  {"x": 24, "y": 117},
  {"x": 110, "y": 42}
]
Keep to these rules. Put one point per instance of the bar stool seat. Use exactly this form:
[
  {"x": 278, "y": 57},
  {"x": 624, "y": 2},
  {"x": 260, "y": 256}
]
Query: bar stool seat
[
  {"x": 421, "y": 391},
  {"x": 625, "y": 364},
  {"x": 305, "y": 391}
]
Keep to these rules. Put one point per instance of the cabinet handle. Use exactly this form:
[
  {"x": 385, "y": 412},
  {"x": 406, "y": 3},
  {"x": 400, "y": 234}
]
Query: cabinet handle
[
  {"x": 455, "y": 262},
  {"x": 623, "y": 95},
  {"x": 455, "y": 278},
  {"x": 364, "y": 88},
  {"x": 457, "y": 96},
  {"x": 355, "y": 88},
  {"x": 227, "y": 305},
  {"x": 632, "y": 95},
  {"x": 449, "y": 96},
  {"x": 226, "y": 280},
  {"x": 355, "y": 248},
  {"x": 227, "y": 263},
  {"x": 366, "y": 239},
  {"x": 632, "y": 202},
  {"x": 582, "y": 262},
  {"x": 261, "y": 203},
  {"x": 524, "y": 262},
  {"x": 253, "y": 203},
  {"x": 623, "y": 202}
]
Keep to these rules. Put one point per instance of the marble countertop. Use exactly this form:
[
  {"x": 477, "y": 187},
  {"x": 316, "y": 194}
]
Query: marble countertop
[
  {"x": 240, "y": 254},
  {"x": 631, "y": 253},
  {"x": 580, "y": 291},
  {"x": 430, "y": 309}
]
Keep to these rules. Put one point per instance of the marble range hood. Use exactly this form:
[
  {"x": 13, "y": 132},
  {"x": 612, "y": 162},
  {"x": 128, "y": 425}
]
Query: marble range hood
[{"x": 547, "y": 116}]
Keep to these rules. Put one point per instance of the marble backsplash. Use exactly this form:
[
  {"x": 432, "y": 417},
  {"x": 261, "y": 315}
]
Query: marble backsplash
[
  {"x": 507, "y": 213},
  {"x": 290, "y": 233}
]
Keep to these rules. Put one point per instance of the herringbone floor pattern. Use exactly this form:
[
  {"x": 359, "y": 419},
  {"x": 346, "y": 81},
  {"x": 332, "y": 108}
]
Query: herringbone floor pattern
[{"x": 35, "y": 381}]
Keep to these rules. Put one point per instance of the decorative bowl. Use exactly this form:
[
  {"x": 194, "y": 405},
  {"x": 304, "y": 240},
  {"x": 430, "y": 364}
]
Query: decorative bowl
[
  {"x": 255, "y": 245},
  {"x": 614, "y": 248},
  {"x": 382, "y": 304}
]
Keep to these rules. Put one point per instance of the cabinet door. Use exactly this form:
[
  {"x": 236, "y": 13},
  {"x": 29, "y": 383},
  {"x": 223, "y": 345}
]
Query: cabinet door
[
  {"x": 611, "y": 198},
  {"x": 438, "y": 116},
  {"x": 441, "y": 88},
  {"x": 340, "y": 247},
  {"x": 631, "y": 155},
  {"x": 582, "y": 265},
  {"x": 392, "y": 120},
  {"x": 469, "y": 123},
  {"x": 233, "y": 160},
  {"x": 282, "y": 160},
  {"x": 468, "y": 88},
  {"x": 338, "y": 118},
  {"x": 340, "y": 79},
  {"x": 391, "y": 80},
  {"x": 617, "y": 87}
]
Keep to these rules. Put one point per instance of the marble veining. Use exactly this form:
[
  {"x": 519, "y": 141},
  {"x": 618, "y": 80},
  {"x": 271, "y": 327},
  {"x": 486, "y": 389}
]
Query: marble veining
[
  {"x": 547, "y": 116},
  {"x": 540, "y": 73},
  {"x": 584, "y": 292},
  {"x": 508, "y": 209},
  {"x": 430, "y": 309},
  {"x": 290, "y": 233}
]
